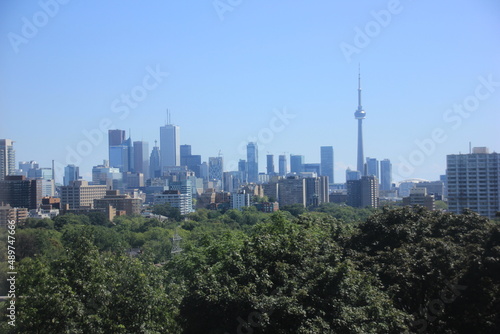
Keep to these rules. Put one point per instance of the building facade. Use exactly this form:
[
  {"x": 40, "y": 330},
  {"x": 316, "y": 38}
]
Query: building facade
[
  {"x": 141, "y": 158},
  {"x": 474, "y": 182},
  {"x": 282, "y": 165},
  {"x": 176, "y": 200},
  {"x": 270, "y": 164},
  {"x": 363, "y": 193},
  {"x": 20, "y": 192},
  {"x": 327, "y": 163},
  {"x": 122, "y": 202},
  {"x": 296, "y": 163},
  {"x": 385, "y": 175},
  {"x": 253, "y": 162},
  {"x": 292, "y": 190},
  {"x": 419, "y": 196},
  {"x": 81, "y": 195},
  {"x": 7, "y": 158},
  {"x": 71, "y": 173},
  {"x": 170, "y": 145}
]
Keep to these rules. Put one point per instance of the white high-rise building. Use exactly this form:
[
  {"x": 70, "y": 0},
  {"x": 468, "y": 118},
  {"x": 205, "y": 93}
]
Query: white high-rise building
[
  {"x": 474, "y": 182},
  {"x": 7, "y": 158},
  {"x": 170, "y": 145}
]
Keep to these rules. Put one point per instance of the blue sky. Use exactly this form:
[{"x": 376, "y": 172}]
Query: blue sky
[{"x": 430, "y": 77}]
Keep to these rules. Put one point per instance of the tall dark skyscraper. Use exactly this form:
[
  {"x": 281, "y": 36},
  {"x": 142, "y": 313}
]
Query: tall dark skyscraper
[
  {"x": 327, "y": 163},
  {"x": 252, "y": 162},
  {"x": 270, "y": 164},
  {"x": 360, "y": 115},
  {"x": 283, "y": 165},
  {"x": 155, "y": 162},
  {"x": 116, "y": 137}
]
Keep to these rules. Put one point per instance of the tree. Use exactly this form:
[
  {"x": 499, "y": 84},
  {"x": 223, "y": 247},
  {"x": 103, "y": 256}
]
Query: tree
[
  {"x": 92, "y": 292},
  {"x": 295, "y": 209},
  {"x": 286, "y": 277},
  {"x": 425, "y": 260},
  {"x": 168, "y": 211}
]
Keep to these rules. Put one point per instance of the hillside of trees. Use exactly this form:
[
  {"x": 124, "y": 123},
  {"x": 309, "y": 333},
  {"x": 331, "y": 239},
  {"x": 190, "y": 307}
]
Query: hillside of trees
[{"x": 332, "y": 270}]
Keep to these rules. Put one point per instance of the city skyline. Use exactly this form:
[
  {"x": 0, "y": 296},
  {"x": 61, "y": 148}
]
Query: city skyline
[{"x": 287, "y": 83}]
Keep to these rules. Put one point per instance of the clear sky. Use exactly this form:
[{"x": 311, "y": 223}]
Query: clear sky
[{"x": 283, "y": 74}]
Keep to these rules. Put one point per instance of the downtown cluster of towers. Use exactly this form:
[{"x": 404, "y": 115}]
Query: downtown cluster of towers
[{"x": 135, "y": 156}]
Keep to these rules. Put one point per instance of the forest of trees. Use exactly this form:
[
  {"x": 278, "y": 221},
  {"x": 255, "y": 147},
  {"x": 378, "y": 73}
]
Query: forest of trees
[{"x": 334, "y": 269}]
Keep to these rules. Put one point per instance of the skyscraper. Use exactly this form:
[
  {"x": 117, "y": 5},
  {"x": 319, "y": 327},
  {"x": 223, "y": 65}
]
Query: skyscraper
[
  {"x": 71, "y": 173},
  {"x": 128, "y": 160},
  {"x": 474, "y": 182},
  {"x": 170, "y": 145},
  {"x": 252, "y": 162},
  {"x": 327, "y": 163},
  {"x": 242, "y": 168},
  {"x": 185, "y": 151},
  {"x": 351, "y": 175},
  {"x": 385, "y": 174},
  {"x": 121, "y": 151},
  {"x": 360, "y": 114},
  {"x": 270, "y": 164},
  {"x": 363, "y": 193},
  {"x": 215, "y": 168},
  {"x": 296, "y": 163},
  {"x": 283, "y": 168},
  {"x": 155, "y": 162},
  {"x": 372, "y": 167},
  {"x": 141, "y": 158},
  {"x": 115, "y": 141},
  {"x": 116, "y": 137},
  {"x": 7, "y": 158}
]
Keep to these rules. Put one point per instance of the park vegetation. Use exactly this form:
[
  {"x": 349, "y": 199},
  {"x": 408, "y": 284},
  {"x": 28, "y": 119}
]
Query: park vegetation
[{"x": 332, "y": 269}]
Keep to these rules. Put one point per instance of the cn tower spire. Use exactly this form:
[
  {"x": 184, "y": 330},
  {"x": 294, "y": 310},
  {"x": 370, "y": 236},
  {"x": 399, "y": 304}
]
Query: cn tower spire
[
  {"x": 359, "y": 88},
  {"x": 360, "y": 114}
]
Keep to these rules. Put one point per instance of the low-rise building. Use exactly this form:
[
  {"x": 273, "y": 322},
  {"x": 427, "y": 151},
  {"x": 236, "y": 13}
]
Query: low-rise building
[{"x": 121, "y": 202}]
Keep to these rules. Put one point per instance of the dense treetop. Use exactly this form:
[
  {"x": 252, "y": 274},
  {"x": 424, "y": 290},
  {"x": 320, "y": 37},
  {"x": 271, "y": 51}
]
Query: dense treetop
[{"x": 332, "y": 269}]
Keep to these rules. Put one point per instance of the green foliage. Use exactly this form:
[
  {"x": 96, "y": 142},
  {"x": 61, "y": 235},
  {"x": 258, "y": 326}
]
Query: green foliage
[
  {"x": 412, "y": 249},
  {"x": 70, "y": 219},
  {"x": 335, "y": 269},
  {"x": 286, "y": 277},
  {"x": 92, "y": 292},
  {"x": 45, "y": 223},
  {"x": 295, "y": 209},
  {"x": 345, "y": 213},
  {"x": 168, "y": 211},
  {"x": 441, "y": 205},
  {"x": 32, "y": 242}
]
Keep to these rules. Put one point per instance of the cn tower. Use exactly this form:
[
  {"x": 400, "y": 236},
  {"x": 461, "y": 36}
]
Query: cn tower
[{"x": 360, "y": 115}]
